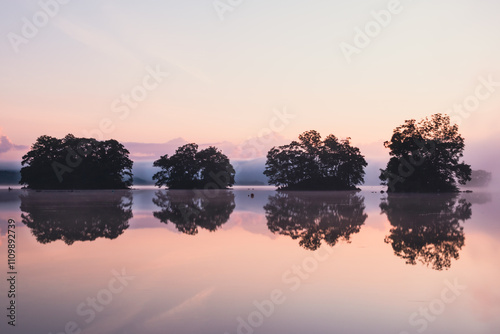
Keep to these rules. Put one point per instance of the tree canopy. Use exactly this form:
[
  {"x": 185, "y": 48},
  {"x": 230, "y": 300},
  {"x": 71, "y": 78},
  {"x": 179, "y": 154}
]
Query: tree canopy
[
  {"x": 189, "y": 168},
  {"x": 425, "y": 157},
  {"x": 313, "y": 164},
  {"x": 76, "y": 163}
]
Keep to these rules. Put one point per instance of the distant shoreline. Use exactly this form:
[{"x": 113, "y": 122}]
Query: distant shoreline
[{"x": 366, "y": 188}]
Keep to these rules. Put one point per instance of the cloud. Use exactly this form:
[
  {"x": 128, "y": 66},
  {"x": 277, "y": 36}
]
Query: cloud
[
  {"x": 251, "y": 148},
  {"x": 94, "y": 39},
  {"x": 7, "y": 145},
  {"x": 142, "y": 155},
  {"x": 99, "y": 40},
  {"x": 153, "y": 151}
]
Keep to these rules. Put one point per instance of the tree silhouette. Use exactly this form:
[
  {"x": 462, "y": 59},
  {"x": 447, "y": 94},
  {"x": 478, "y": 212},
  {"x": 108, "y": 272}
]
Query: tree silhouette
[
  {"x": 188, "y": 209},
  {"x": 76, "y": 216},
  {"x": 76, "y": 163},
  {"x": 313, "y": 164},
  {"x": 190, "y": 169},
  {"x": 313, "y": 217},
  {"x": 426, "y": 228},
  {"x": 425, "y": 157}
]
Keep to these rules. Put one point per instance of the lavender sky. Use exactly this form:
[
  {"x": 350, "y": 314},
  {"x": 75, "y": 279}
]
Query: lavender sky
[{"x": 226, "y": 71}]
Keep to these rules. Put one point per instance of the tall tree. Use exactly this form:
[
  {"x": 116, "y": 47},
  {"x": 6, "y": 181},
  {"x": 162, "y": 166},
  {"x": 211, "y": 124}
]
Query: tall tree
[
  {"x": 189, "y": 168},
  {"x": 425, "y": 157},
  {"x": 76, "y": 163},
  {"x": 311, "y": 163}
]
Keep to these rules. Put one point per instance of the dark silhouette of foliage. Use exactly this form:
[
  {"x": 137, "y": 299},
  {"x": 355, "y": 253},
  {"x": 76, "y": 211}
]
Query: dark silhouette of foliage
[
  {"x": 426, "y": 228},
  {"x": 76, "y": 216},
  {"x": 313, "y": 164},
  {"x": 188, "y": 209},
  {"x": 425, "y": 157},
  {"x": 76, "y": 163},
  {"x": 190, "y": 169},
  {"x": 313, "y": 217}
]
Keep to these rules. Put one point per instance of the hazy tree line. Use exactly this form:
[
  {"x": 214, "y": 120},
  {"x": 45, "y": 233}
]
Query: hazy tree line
[{"x": 425, "y": 157}]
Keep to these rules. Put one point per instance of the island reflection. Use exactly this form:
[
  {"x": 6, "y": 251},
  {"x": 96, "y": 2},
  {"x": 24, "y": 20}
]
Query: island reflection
[
  {"x": 426, "y": 228},
  {"x": 190, "y": 209},
  {"x": 76, "y": 216},
  {"x": 316, "y": 216}
]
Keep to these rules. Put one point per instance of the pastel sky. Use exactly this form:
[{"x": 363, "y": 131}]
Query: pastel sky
[{"x": 228, "y": 77}]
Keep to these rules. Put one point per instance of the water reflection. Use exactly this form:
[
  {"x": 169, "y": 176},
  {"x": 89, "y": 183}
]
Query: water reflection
[
  {"x": 427, "y": 228},
  {"x": 78, "y": 216},
  {"x": 190, "y": 209},
  {"x": 313, "y": 217}
]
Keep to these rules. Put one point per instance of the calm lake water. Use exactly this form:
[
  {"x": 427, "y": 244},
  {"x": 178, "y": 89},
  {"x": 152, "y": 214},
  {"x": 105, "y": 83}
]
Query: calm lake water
[{"x": 150, "y": 261}]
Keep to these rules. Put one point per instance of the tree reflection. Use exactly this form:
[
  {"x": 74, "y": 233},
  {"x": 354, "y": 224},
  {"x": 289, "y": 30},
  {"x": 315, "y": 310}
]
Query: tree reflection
[
  {"x": 427, "y": 227},
  {"x": 190, "y": 209},
  {"x": 76, "y": 216},
  {"x": 313, "y": 217}
]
